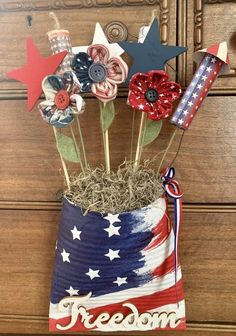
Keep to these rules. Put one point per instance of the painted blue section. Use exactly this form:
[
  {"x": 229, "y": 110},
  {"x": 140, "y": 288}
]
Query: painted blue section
[{"x": 89, "y": 252}]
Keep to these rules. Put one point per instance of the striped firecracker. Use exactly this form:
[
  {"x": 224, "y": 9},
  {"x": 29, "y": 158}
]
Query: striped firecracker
[
  {"x": 60, "y": 40},
  {"x": 119, "y": 272},
  {"x": 212, "y": 62}
]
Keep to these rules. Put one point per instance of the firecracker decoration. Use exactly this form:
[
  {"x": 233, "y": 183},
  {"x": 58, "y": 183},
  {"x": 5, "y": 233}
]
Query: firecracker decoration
[
  {"x": 151, "y": 54},
  {"x": 35, "y": 70},
  {"x": 212, "y": 62},
  {"x": 60, "y": 40}
]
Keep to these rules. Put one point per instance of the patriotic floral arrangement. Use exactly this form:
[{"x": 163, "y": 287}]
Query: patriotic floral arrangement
[{"x": 117, "y": 270}]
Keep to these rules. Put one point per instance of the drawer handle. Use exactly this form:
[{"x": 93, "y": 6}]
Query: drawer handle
[{"x": 116, "y": 31}]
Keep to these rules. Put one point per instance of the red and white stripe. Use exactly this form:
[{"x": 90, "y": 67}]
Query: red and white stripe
[{"x": 218, "y": 50}]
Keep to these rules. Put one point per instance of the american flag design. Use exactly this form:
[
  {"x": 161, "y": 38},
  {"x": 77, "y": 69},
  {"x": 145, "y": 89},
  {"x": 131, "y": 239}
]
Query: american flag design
[
  {"x": 213, "y": 61},
  {"x": 122, "y": 259},
  {"x": 60, "y": 40}
]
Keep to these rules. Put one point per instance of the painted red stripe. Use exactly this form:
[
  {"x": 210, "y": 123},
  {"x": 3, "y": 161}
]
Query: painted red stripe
[
  {"x": 171, "y": 295},
  {"x": 166, "y": 267},
  {"x": 160, "y": 233},
  {"x": 227, "y": 59},
  {"x": 213, "y": 50},
  {"x": 162, "y": 230}
]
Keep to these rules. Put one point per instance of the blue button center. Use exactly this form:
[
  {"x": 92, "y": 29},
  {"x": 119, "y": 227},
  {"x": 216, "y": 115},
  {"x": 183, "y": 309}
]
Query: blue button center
[
  {"x": 151, "y": 95},
  {"x": 97, "y": 72}
]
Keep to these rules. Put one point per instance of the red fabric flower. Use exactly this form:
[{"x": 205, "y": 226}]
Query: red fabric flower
[{"x": 152, "y": 93}]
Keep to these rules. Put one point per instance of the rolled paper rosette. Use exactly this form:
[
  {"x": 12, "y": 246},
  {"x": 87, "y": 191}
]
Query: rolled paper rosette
[
  {"x": 60, "y": 40},
  {"x": 213, "y": 61}
]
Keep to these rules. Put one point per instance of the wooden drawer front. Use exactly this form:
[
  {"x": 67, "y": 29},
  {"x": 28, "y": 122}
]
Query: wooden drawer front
[
  {"x": 73, "y": 16},
  {"x": 27, "y": 245},
  {"x": 206, "y": 165},
  {"x": 210, "y": 22},
  {"x": 39, "y": 328}
]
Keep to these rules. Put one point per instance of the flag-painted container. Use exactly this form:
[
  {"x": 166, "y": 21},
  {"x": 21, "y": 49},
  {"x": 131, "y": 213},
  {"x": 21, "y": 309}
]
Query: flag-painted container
[{"x": 117, "y": 272}]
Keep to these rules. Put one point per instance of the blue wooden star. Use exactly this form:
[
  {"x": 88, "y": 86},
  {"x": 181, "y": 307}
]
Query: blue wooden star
[{"x": 151, "y": 54}]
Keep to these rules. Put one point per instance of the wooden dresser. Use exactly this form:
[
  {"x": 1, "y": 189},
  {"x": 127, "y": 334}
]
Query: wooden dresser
[{"x": 30, "y": 186}]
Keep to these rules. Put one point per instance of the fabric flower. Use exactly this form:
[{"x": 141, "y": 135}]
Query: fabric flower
[
  {"x": 152, "y": 93},
  {"x": 99, "y": 73},
  {"x": 62, "y": 99}
]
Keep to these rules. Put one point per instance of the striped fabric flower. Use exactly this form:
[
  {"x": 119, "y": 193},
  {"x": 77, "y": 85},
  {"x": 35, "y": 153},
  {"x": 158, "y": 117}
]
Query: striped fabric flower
[
  {"x": 152, "y": 93},
  {"x": 62, "y": 99},
  {"x": 99, "y": 73}
]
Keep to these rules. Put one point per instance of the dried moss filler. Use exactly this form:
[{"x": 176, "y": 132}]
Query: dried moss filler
[{"x": 119, "y": 191}]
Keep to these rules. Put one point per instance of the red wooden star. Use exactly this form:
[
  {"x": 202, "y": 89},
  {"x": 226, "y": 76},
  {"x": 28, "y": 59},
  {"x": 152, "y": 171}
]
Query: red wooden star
[{"x": 36, "y": 68}]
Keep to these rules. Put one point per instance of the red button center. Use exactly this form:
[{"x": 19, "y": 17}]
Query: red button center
[{"x": 62, "y": 99}]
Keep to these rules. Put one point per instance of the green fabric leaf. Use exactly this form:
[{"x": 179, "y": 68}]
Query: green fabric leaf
[
  {"x": 107, "y": 115},
  {"x": 66, "y": 147},
  {"x": 151, "y": 132}
]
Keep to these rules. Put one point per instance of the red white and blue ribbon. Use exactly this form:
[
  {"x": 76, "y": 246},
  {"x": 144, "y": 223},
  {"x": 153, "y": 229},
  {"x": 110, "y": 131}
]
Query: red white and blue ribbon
[{"x": 174, "y": 191}]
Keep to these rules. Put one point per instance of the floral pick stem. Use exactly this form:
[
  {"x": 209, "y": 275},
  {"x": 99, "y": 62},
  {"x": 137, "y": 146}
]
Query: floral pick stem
[
  {"x": 82, "y": 142},
  {"x": 166, "y": 151},
  {"x": 140, "y": 139},
  {"x": 132, "y": 135},
  {"x": 107, "y": 113},
  {"x": 63, "y": 163},
  {"x": 77, "y": 148},
  {"x": 105, "y": 137},
  {"x": 107, "y": 150}
]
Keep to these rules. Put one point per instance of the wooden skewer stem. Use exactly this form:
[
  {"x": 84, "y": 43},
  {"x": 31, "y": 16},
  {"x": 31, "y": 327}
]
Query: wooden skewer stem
[
  {"x": 82, "y": 142},
  {"x": 139, "y": 143},
  {"x": 63, "y": 162},
  {"x": 166, "y": 151}
]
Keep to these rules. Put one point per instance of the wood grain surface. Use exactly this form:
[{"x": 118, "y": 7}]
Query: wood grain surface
[
  {"x": 38, "y": 327},
  {"x": 207, "y": 160}
]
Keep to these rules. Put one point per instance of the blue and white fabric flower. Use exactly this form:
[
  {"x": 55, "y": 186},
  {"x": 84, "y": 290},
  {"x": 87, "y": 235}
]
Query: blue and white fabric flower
[{"x": 62, "y": 99}]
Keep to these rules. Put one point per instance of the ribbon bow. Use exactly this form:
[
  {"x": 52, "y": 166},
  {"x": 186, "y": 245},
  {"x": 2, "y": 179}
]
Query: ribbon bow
[{"x": 174, "y": 191}]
